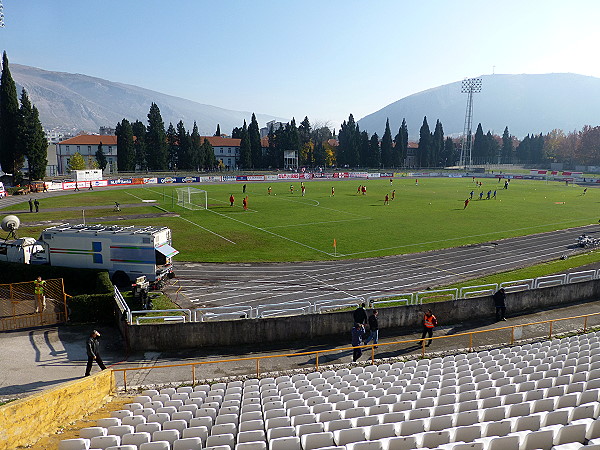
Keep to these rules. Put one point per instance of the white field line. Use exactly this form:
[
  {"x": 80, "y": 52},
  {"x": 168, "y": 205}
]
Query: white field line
[
  {"x": 270, "y": 232},
  {"x": 317, "y": 223},
  {"x": 196, "y": 225}
]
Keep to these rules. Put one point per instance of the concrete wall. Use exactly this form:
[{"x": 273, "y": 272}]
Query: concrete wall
[
  {"x": 281, "y": 329},
  {"x": 25, "y": 421}
]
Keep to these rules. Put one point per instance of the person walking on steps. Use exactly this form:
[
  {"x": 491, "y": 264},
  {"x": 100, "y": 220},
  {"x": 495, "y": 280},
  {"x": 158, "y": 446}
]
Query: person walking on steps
[
  {"x": 429, "y": 323},
  {"x": 358, "y": 334},
  {"x": 93, "y": 353},
  {"x": 500, "y": 302},
  {"x": 373, "y": 328}
]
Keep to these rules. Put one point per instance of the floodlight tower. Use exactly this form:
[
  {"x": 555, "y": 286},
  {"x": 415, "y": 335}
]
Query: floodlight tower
[
  {"x": 470, "y": 86},
  {"x": 1, "y": 15}
]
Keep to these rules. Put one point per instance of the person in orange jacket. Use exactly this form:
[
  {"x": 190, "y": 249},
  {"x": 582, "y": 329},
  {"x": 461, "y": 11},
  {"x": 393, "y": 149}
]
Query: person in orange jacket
[{"x": 429, "y": 323}]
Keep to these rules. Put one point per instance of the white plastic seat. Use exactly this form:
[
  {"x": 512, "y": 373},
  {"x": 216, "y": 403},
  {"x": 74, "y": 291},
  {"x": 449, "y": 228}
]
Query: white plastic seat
[
  {"x": 527, "y": 423},
  {"x": 74, "y": 444},
  {"x": 148, "y": 427},
  {"x": 275, "y": 433},
  {"x": 466, "y": 418},
  {"x": 558, "y": 417},
  {"x": 501, "y": 442},
  {"x": 119, "y": 430},
  {"x": 499, "y": 428},
  {"x": 202, "y": 422},
  {"x": 346, "y": 436},
  {"x": 191, "y": 443},
  {"x": 570, "y": 433},
  {"x": 250, "y": 425},
  {"x": 199, "y": 432},
  {"x": 220, "y": 439},
  {"x": 493, "y": 414},
  {"x": 302, "y": 419},
  {"x": 316, "y": 441},
  {"x": 166, "y": 435},
  {"x": 133, "y": 420},
  {"x": 285, "y": 443},
  {"x": 393, "y": 417},
  {"x": 585, "y": 411},
  {"x": 252, "y": 436},
  {"x": 224, "y": 428},
  {"x": 440, "y": 423},
  {"x": 400, "y": 443},
  {"x": 354, "y": 412},
  {"x": 258, "y": 445},
  {"x": 467, "y": 433},
  {"x": 339, "y": 424},
  {"x": 365, "y": 445},
  {"x": 102, "y": 442},
  {"x": 135, "y": 438},
  {"x": 108, "y": 422},
  {"x": 177, "y": 424},
  {"x": 409, "y": 427},
  {"x": 90, "y": 432},
  {"x": 538, "y": 439},
  {"x": 433, "y": 439},
  {"x": 308, "y": 428},
  {"x": 367, "y": 420},
  {"x": 162, "y": 445}
]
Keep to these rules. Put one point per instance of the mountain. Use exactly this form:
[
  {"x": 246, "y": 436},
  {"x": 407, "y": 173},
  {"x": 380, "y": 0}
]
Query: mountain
[
  {"x": 73, "y": 102},
  {"x": 524, "y": 103}
]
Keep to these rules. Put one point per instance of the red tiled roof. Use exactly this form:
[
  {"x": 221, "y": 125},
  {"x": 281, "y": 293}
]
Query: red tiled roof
[
  {"x": 264, "y": 142},
  {"x": 333, "y": 142},
  {"x": 91, "y": 139},
  {"x": 218, "y": 141}
]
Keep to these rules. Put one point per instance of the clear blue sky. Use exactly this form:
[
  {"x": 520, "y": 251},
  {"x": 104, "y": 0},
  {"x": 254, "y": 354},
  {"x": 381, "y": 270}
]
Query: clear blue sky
[{"x": 324, "y": 59}]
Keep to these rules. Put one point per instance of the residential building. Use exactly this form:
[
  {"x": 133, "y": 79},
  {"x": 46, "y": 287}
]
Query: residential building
[
  {"x": 107, "y": 130},
  {"x": 273, "y": 123},
  {"x": 227, "y": 150},
  {"x": 87, "y": 146}
]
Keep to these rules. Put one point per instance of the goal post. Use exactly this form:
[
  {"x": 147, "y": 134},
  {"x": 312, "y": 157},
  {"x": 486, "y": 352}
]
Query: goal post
[{"x": 192, "y": 198}]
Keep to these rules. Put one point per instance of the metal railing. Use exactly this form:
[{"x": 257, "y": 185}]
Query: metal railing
[
  {"x": 304, "y": 306},
  {"x": 319, "y": 353}
]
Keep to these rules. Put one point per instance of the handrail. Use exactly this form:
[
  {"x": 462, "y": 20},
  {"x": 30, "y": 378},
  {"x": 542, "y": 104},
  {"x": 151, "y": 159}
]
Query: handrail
[
  {"x": 317, "y": 353},
  {"x": 122, "y": 304}
]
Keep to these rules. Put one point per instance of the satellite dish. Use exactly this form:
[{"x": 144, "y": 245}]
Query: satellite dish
[{"x": 10, "y": 224}]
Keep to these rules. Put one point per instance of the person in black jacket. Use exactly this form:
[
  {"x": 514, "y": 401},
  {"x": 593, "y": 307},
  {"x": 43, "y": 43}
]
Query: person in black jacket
[
  {"x": 93, "y": 352},
  {"x": 500, "y": 302},
  {"x": 360, "y": 315},
  {"x": 373, "y": 328}
]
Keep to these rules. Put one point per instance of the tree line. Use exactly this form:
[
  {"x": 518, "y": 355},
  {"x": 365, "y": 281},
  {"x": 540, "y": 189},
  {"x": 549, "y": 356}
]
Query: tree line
[
  {"x": 152, "y": 148},
  {"x": 21, "y": 132}
]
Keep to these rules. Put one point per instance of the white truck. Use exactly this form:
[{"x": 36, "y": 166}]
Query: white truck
[
  {"x": 19, "y": 250},
  {"x": 127, "y": 252}
]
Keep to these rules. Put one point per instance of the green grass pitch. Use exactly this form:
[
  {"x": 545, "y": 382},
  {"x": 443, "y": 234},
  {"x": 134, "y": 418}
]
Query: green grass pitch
[{"x": 288, "y": 227}]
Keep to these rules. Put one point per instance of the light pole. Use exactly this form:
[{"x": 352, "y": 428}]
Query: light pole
[{"x": 470, "y": 86}]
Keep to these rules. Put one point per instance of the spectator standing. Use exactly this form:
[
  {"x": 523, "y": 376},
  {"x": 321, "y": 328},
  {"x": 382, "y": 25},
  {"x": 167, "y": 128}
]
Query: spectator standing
[
  {"x": 93, "y": 352},
  {"x": 360, "y": 315},
  {"x": 36, "y": 203},
  {"x": 358, "y": 334},
  {"x": 500, "y": 302},
  {"x": 30, "y": 205},
  {"x": 38, "y": 290},
  {"x": 429, "y": 323},
  {"x": 373, "y": 328}
]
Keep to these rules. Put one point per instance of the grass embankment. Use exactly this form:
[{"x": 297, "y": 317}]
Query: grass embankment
[{"x": 286, "y": 226}]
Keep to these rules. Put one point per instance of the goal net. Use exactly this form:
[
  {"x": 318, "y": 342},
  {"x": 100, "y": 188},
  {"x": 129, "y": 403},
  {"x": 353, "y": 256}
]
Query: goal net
[{"x": 192, "y": 198}]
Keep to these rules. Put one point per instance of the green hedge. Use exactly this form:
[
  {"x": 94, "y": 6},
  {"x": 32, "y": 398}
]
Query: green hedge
[{"x": 90, "y": 291}]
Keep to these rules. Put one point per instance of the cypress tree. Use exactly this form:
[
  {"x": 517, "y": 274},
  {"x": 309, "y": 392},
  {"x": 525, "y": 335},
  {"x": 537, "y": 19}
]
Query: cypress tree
[
  {"x": 141, "y": 158},
  {"x": 437, "y": 145},
  {"x": 386, "y": 146},
  {"x": 507, "y": 147},
  {"x": 479, "y": 150},
  {"x": 424, "y": 144},
  {"x": 126, "y": 155},
  {"x": 197, "y": 156},
  {"x": 209, "y": 153},
  {"x": 364, "y": 149},
  {"x": 348, "y": 149},
  {"x": 173, "y": 147},
  {"x": 245, "y": 161},
  {"x": 31, "y": 139},
  {"x": 218, "y": 132},
  {"x": 184, "y": 157},
  {"x": 156, "y": 140},
  {"x": 101, "y": 157},
  {"x": 255, "y": 145},
  {"x": 272, "y": 152},
  {"x": 449, "y": 154},
  {"x": 401, "y": 148},
  {"x": 11, "y": 160},
  {"x": 374, "y": 152}
]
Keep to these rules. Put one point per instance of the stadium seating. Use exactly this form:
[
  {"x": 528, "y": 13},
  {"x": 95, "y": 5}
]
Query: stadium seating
[{"x": 544, "y": 395}]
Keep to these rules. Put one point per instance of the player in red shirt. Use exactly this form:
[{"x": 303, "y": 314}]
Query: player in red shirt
[
  {"x": 387, "y": 200},
  {"x": 466, "y": 203},
  {"x": 231, "y": 200},
  {"x": 245, "y": 203}
]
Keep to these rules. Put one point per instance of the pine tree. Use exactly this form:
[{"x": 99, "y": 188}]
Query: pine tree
[
  {"x": 401, "y": 148},
  {"x": 304, "y": 131},
  {"x": 173, "y": 147},
  {"x": 141, "y": 152},
  {"x": 10, "y": 160},
  {"x": 31, "y": 140},
  {"x": 156, "y": 140},
  {"x": 374, "y": 152},
  {"x": 197, "y": 156},
  {"x": 126, "y": 154},
  {"x": 424, "y": 150},
  {"x": 184, "y": 157},
  {"x": 493, "y": 149},
  {"x": 449, "y": 155},
  {"x": 255, "y": 144},
  {"x": 273, "y": 158},
  {"x": 209, "y": 152},
  {"x": 245, "y": 161},
  {"x": 507, "y": 147},
  {"x": 386, "y": 146},
  {"x": 364, "y": 149},
  {"x": 76, "y": 162},
  {"x": 437, "y": 146},
  {"x": 348, "y": 149},
  {"x": 101, "y": 158},
  {"x": 218, "y": 132}
]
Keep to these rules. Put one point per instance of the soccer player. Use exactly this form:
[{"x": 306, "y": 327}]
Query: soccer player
[
  {"x": 416, "y": 181},
  {"x": 471, "y": 195},
  {"x": 364, "y": 190},
  {"x": 480, "y": 195},
  {"x": 332, "y": 191},
  {"x": 303, "y": 189},
  {"x": 245, "y": 203},
  {"x": 488, "y": 194},
  {"x": 466, "y": 203},
  {"x": 393, "y": 194},
  {"x": 359, "y": 189},
  {"x": 387, "y": 200},
  {"x": 391, "y": 182},
  {"x": 584, "y": 191},
  {"x": 494, "y": 195},
  {"x": 269, "y": 190},
  {"x": 291, "y": 188},
  {"x": 231, "y": 200}
]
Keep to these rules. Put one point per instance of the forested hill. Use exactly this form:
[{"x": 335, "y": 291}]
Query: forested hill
[
  {"x": 524, "y": 103},
  {"x": 79, "y": 102}
]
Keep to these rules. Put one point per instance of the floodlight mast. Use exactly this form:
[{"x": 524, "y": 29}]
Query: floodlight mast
[
  {"x": 1, "y": 15},
  {"x": 470, "y": 86}
]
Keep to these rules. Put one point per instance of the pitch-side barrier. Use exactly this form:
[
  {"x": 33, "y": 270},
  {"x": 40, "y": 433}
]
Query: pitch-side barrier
[{"x": 305, "y": 306}]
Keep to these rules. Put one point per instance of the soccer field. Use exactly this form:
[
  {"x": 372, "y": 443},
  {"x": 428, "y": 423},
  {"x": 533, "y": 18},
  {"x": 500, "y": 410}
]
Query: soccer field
[{"x": 286, "y": 226}]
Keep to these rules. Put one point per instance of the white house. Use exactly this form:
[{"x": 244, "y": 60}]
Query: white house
[
  {"x": 87, "y": 146},
  {"x": 227, "y": 150}
]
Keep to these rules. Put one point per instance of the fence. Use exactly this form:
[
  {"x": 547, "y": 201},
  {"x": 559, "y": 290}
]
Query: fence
[
  {"x": 297, "y": 307},
  {"x": 461, "y": 342},
  {"x": 21, "y": 308}
]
